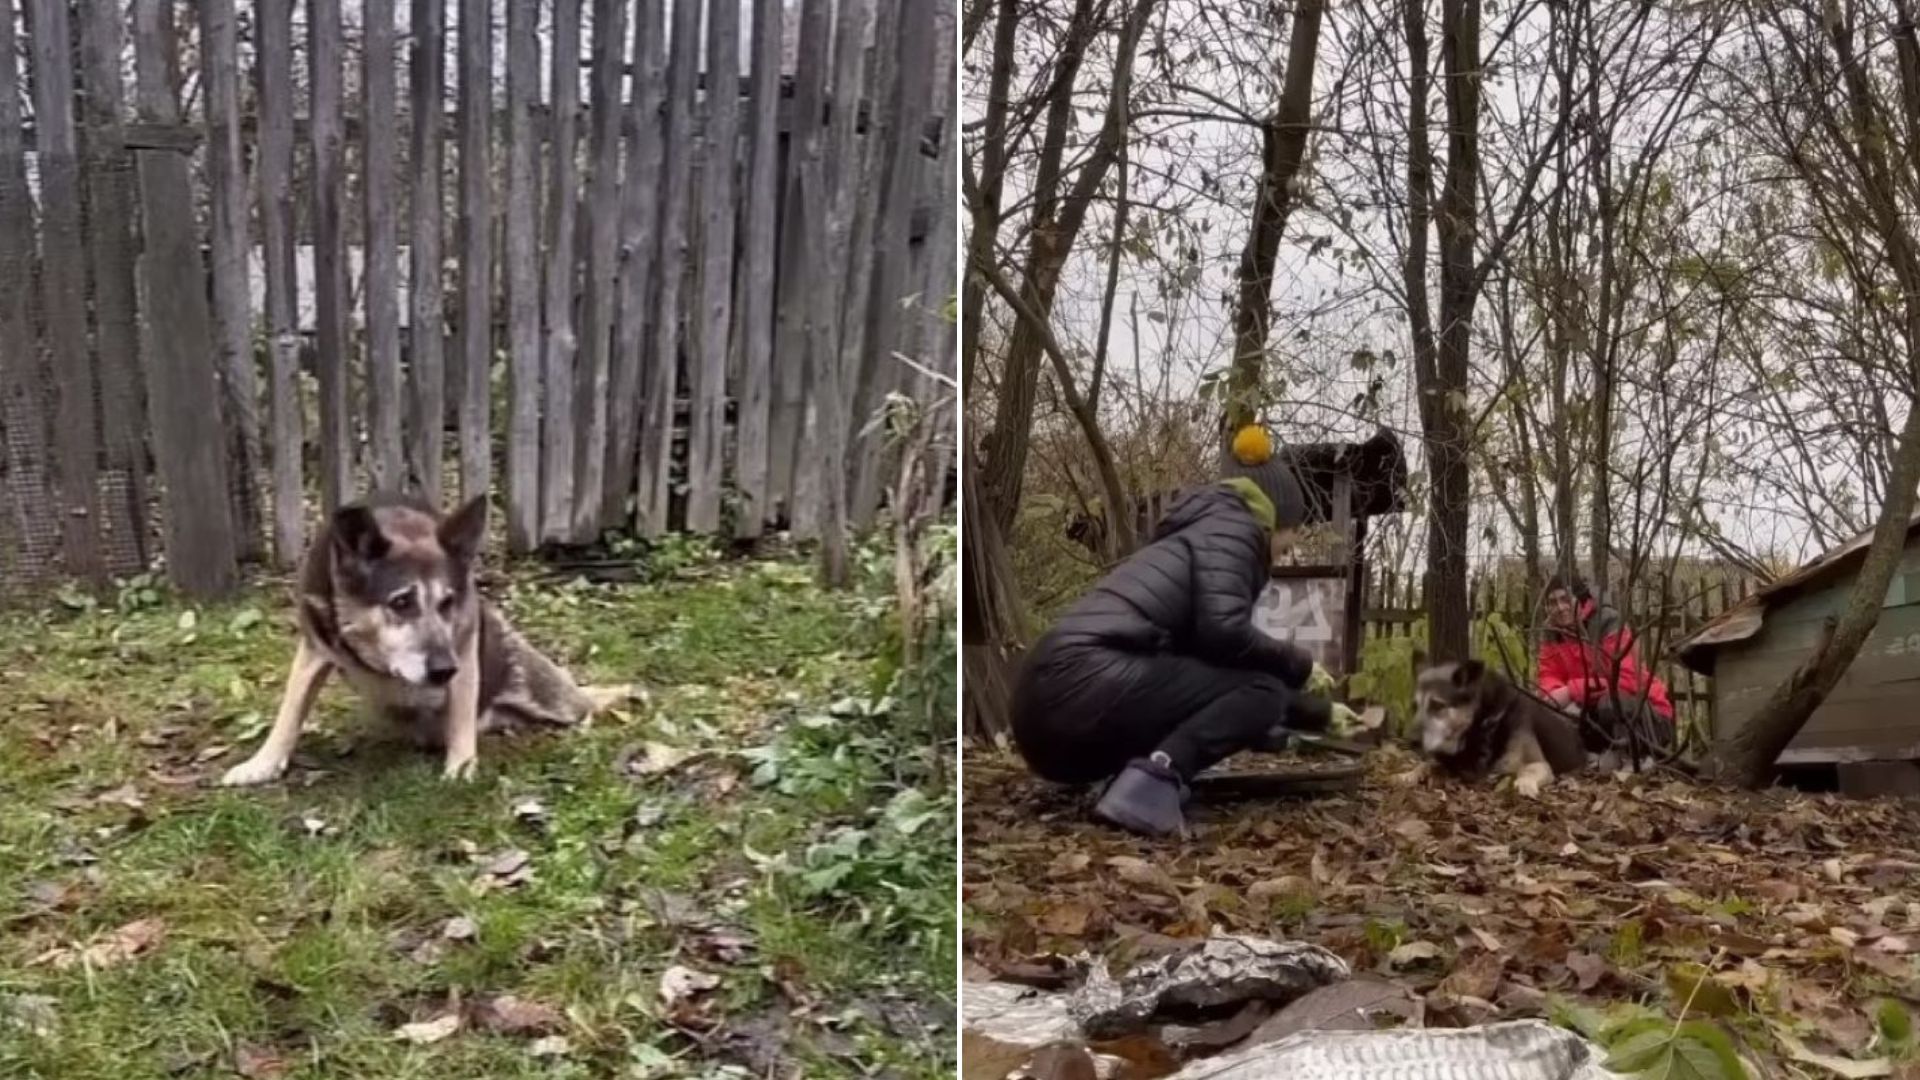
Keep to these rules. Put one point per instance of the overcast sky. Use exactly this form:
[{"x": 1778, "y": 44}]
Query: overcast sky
[{"x": 1326, "y": 306}]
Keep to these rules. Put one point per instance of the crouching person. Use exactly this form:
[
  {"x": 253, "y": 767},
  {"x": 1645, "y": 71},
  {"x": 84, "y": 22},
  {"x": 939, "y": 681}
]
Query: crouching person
[
  {"x": 1159, "y": 672},
  {"x": 1588, "y": 668}
]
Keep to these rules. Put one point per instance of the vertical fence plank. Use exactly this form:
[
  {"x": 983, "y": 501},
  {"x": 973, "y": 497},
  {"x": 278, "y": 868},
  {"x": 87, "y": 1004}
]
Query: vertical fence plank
[
  {"x": 110, "y": 244},
  {"x": 656, "y": 433},
  {"x": 328, "y": 175},
  {"x": 476, "y": 246},
  {"x": 232, "y": 307},
  {"x": 842, "y": 181},
  {"x": 182, "y": 379},
  {"x": 22, "y": 375},
  {"x": 754, "y": 412},
  {"x": 867, "y": 191},
  {"x": 709, "y": 361},
  {"x": 379, "y": 166},
  {"x": 908, "y": 90},
  {"x": 426, "y": 321},
  {"x": 791, "y": 363},
  {"x": 274, "y": 62},
  {"x": 63, "y": 278},
  {"x": 556, "y": 440},
  {"x": 639, "y": 248},
  {"x": 522, "y": 275},
  {"x": 603, "y": 238}
]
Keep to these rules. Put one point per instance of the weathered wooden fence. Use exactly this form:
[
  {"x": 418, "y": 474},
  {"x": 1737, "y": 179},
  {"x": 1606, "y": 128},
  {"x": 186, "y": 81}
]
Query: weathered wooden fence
[
  {"x": 263, "y": 276},
  {"x": 1661, "y": 611}
]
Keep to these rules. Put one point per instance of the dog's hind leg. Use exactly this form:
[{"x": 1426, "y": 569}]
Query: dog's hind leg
[
  {"x": 310, "y": 670},
  {"x": 1524, "y": 761}
]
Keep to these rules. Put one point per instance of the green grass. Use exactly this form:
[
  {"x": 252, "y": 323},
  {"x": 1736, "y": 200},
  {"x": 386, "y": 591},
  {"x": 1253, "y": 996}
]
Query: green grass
[{"x": 804, "y": 855}]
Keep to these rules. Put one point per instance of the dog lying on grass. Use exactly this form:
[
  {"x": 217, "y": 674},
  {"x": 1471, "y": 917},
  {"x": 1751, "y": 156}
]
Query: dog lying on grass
[
  {"x": 387, "y": 597},
  {"x": 1474, "y": 722}
]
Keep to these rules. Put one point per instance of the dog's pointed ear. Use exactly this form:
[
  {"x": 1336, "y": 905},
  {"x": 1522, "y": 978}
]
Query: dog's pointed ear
[
  {"x": 356, "y": 533},
  {"x": 465, "y": 530},
  {"x": 1468, "y": 672}
]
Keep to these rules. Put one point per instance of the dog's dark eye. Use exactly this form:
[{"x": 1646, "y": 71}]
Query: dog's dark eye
[
  {"x": 446, "y": 605},
  {"x": 401, "y": 603}
]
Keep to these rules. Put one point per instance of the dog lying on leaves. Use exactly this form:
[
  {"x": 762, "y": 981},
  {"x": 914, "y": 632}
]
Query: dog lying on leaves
[
  {"x": 1474, "y": 722},
  {"x": 387, "y": 598}
]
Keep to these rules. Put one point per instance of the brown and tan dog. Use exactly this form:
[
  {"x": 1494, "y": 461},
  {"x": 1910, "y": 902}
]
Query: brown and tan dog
[
  {"x": 387, "y": 598},
  {"x": 1474, "y": 722}
]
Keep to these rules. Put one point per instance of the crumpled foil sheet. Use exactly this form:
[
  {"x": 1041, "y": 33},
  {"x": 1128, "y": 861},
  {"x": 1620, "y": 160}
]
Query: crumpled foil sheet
[
  {"x": 1226, "y": 968},
  {"x": 1019, "y": 1015},
  {"x": 1230, "y": 968},
  {"x": 1513, "y": 1050}
]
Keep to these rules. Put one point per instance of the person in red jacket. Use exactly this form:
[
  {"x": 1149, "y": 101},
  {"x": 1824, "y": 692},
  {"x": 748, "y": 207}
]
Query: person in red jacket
[{"x": 1587, "y": 666}]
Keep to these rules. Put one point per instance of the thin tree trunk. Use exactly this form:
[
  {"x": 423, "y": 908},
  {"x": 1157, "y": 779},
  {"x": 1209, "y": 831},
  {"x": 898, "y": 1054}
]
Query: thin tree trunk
[
  {"x": 992, "y": 620},
  {"x": 1055, "y": 231},
  {"x": 984, "y": 200},
  {"x": 1283, "y": 147},
  {"x": 1449, "y": 523}
]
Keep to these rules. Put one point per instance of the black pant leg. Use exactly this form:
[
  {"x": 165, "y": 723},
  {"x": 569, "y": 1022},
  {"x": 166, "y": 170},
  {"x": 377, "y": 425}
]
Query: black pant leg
[
  {"x": 1129, "y": 705},
  {"x": 1242, "y": 709},
  {"x": 1605, "y": 725}
]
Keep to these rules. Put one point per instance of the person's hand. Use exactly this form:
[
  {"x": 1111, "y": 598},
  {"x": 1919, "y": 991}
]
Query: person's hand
[
  {"x": 1320, "y": 682},
  {"x": 1344, "y": 722}
]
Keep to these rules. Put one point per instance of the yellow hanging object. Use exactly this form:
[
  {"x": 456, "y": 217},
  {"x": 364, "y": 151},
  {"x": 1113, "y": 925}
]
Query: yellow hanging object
[{"x": 1252, "y": 446}]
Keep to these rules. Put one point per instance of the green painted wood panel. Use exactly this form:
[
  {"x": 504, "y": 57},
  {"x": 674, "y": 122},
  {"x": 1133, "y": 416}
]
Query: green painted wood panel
[{"x": 1876, "y": 703}]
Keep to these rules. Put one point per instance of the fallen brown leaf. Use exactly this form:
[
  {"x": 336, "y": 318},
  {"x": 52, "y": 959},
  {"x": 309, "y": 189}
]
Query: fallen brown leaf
[
  {"x": 427, "y": 1032},
  {"x": 678, "y": 983},
  {"x": 258, "y": 1062},
  {"x": 510, "y": 1015}
]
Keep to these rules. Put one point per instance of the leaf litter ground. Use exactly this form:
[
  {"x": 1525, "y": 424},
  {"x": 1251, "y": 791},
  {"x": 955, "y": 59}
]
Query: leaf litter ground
[
  {"x": 1789, "y": 921},
  {"x": 747, "y": 873}
]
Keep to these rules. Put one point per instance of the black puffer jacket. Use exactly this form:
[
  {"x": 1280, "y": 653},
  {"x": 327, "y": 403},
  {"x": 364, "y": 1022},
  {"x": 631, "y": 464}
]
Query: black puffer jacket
[{"x": 1191, "y": 591}]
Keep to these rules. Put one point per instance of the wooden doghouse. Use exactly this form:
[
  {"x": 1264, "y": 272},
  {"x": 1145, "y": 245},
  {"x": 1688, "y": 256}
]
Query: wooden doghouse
[
  {"x": 1317, "y": 598},
  {"x": 1869, "y": 726}
]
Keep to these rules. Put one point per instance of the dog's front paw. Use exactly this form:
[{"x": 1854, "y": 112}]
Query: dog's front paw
[
  {"x": 254, "y": 770},
  {"x": 1527, "y": 786},
  {"x": 458, "y": 767}
]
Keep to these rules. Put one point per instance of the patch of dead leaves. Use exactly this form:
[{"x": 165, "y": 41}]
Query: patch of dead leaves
[
  {"x": 1597, "y": 890},
  {"x": 111, "y": 949}
]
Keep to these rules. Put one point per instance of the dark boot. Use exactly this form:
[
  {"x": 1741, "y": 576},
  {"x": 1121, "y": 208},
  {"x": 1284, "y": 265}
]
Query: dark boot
[{"x": 1145, "y": 798}]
